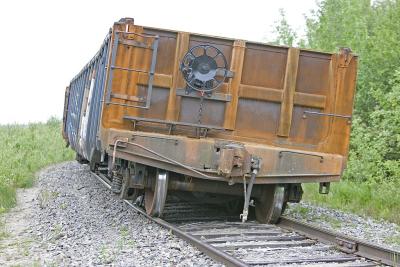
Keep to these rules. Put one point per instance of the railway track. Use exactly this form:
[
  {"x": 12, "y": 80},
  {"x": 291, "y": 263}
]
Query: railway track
[{"x": 224, "y": 238}]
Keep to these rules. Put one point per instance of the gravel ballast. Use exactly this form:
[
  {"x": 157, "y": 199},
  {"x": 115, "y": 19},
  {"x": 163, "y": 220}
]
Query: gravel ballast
[
  {"x": 71, "y": 219},
  {"x": 378, "y": 232}
]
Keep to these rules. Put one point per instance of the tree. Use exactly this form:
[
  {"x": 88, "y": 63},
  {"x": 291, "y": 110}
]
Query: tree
[
  {"x": 285, "y": 35},
  {"x": 371, "y": 30}
]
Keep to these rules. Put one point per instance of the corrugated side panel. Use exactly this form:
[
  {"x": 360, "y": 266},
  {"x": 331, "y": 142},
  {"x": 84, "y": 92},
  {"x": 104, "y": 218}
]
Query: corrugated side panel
[
  {"x": 84, "y": 104},
  {"x": 92, "y": 143}
]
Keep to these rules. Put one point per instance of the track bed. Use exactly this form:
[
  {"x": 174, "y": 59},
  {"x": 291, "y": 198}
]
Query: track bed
[{"x": 223, "y": 237}]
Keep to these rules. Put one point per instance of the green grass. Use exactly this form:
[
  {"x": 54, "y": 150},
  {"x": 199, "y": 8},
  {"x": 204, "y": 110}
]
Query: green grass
[
  {"x": 380, "y": 201},
  {"x": 25, "y": 149}
]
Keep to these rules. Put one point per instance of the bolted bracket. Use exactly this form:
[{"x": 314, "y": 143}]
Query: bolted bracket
[
  {"x": 345, "y": 57},
  {"x": 346, "y": 245},
  {"x": 138, "y": 180},
  {"x": 324, "y": 188},
  {"x": 233, "y": 160},
  {"x": 229, "y": 74}
]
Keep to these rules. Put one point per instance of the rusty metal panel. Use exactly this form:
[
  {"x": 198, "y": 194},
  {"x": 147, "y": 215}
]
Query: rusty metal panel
[
  {"x": 264, "y": 66},
  {"x": 261, "y": 109},
  {"x": 277, "y": 99},
  {"x": 213, "y": 114},
  {"x": 256, "y": 118}
]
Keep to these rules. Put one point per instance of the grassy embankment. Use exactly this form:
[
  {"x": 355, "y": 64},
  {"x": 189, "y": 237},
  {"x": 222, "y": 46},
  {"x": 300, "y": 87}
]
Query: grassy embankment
[
  {"x": 25, "y": 149},
  {"x": 380, "y": 201}
]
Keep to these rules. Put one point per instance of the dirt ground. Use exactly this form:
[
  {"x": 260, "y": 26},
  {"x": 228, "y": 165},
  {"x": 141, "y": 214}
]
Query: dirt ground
[
  {"x": 16, "y": 247},
  {"x": 70, "y": 219}
]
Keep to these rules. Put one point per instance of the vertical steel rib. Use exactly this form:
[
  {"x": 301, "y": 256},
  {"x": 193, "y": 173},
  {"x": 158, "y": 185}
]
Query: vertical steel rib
[
  {"x": 152, "y": 71},
  {"x": 110, "y": 75}
]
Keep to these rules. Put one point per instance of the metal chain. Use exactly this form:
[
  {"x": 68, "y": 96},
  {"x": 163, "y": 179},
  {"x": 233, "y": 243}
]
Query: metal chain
[{"x": 200, "y": 107}]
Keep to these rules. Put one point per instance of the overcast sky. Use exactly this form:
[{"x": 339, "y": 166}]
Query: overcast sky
[{"x": 45, "y": 43}]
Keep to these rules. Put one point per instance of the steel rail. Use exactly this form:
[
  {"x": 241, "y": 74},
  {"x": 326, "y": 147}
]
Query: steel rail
[
  {"x": 209, "y": 250},
  {"x": 342, "y": 242}
]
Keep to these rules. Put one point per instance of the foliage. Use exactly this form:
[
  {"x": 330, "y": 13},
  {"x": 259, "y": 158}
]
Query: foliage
[
  {"x": 285, "y": 35},
  {"x": 375, "y": 147},
  {"x": 372, "y": 31},
  {"x": 338, "y": 23},
  {"x": 24, "y": 150},
  {"x": 381, "y": 202}
]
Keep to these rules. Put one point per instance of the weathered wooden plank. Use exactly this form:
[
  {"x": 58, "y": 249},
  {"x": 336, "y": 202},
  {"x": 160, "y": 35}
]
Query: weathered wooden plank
[
  {"x": 289, "y": 88},
  {"x": 239, "y": 47}
]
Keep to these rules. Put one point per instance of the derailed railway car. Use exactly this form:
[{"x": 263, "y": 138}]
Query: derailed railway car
[{"x": 210, "y": 119}]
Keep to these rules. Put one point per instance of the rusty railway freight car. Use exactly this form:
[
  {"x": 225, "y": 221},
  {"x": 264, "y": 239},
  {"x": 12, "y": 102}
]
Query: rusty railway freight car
[{"x": 211, "y": 119}]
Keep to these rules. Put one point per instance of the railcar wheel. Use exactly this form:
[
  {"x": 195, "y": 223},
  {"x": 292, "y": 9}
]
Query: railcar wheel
[
  {"x": 271, "y": 204},
  {"x": 80, "y": 159},
  {"x": 154, "y": 200}
]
